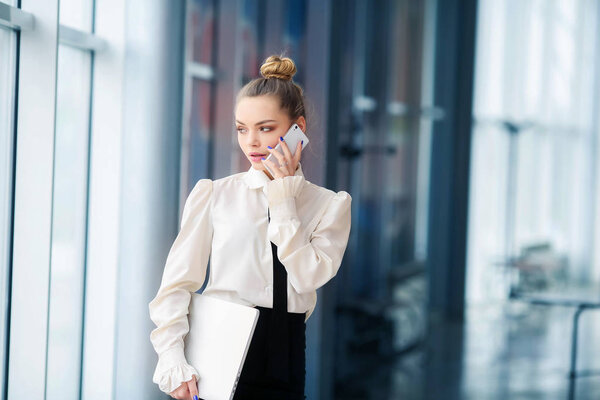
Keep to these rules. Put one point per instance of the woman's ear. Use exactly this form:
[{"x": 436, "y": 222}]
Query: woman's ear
[{"x": 301, "y": 121}]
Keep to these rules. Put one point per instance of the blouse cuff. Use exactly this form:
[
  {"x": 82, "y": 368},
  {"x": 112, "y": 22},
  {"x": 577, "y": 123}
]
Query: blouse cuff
[
  {"x": 172, "y": 370},
  {"x": 281, "y": 194}
]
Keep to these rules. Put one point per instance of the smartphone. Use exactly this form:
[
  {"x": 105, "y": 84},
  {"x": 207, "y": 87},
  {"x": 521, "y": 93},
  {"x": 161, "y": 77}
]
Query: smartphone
[{"x": 291, "y": 138}]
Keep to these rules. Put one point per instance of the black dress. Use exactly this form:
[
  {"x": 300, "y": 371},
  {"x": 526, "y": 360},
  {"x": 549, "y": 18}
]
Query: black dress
[{"x": 275, "y": 366}]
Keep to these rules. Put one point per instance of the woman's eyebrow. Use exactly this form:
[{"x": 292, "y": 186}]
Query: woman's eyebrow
[{"x": 258, "y": 123}]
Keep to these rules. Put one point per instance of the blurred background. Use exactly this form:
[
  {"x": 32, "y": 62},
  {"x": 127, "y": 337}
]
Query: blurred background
[{"x": 466, "y": 131}]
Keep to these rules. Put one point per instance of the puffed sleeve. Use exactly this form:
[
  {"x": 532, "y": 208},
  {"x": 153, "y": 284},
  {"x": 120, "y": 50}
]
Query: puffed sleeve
[
  {"x": 184, "y": 273},
  {"x": 310, "y": 261}
]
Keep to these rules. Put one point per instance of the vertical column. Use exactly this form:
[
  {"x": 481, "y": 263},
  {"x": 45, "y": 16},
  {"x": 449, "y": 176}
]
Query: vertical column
[
  {"x": 33, "y": 202},
  {"x": 103, "y": 211},
  {"x": 320, "y": 328},
  {"x": 450, "y": 158}
]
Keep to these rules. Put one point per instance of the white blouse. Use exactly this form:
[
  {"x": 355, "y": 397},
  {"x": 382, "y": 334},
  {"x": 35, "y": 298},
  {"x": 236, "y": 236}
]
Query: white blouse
[{"x": 227, "y": 219}]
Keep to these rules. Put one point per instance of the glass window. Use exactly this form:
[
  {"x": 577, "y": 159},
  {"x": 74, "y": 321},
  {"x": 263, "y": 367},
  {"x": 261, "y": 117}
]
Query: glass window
[
  {"x": 200, "y": 131},
  {"x": 531, "y": 206},
  {"x": 7, "y": 101},
  {"x": 69, "y": 224},
  {"x": 375, "y": 112},
  {"x": 405, "y": 131},
  {"x": 294, "y": 38},
  {"x": 200, "y": 91},
  {"x": 201, "y": 30},
  {"x": 76, "y": 14},
  {"x": 253, "y": 38}
]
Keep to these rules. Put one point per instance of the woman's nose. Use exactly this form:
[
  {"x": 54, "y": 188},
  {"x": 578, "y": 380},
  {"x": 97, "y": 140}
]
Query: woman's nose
[{"x": 253, "y": 137}]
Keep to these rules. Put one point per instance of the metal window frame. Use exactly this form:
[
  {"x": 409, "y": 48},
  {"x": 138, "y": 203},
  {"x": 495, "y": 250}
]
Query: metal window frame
[
  {"x": 33, "y": 176},
  {"x": 80, "y": 40},
  {"x": 200, "y": 71},
  {"x": 15, "y": 18},
  {"x": 7, "y": 228}
]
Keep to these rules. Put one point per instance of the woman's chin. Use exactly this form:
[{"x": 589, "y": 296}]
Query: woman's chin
[{"x": 258, "y": 165}]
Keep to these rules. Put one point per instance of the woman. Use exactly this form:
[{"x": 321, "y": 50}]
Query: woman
[{"x": 272, "y": 240}]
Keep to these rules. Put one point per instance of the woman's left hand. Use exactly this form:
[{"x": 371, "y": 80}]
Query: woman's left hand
[{"x": 287, "y": 162}]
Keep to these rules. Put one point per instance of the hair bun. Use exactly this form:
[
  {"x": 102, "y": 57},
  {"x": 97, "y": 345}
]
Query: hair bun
[{"x": 278, "y": 67}]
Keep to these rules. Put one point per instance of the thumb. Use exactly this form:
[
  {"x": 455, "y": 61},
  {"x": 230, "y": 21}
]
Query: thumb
[{"x": 193, "y": 388}]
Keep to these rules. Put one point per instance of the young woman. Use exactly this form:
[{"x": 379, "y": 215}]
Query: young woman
[{"x": 272, "y": 240}]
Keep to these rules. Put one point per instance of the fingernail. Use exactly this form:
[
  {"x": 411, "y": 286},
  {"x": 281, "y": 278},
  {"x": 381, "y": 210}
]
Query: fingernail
[
  {"x": 262, "y": 158},
  {"x": 195, "y": 397},
  {"x": 280, "y": 138},
  {"x": 302, "y": 142},
  {"x": 269, "y": 147}
]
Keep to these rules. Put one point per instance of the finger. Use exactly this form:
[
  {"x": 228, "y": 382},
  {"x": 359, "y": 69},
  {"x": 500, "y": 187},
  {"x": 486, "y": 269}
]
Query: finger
[
  {"x": 290, "y": 159},
  {"x": 193, "y": 388},
  {"x": 273, "y": 168},
  {"x": 277, "y": 155},
  {"x": 286, "y": 150},
  {"x": 298, "y": 153},
  {"x": 181, "y": 393},
  {"x": 286, "y": 168}
]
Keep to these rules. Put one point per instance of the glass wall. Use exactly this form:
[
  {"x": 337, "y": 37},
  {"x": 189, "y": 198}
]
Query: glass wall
[
  {"x": 198, "y": 124},
  {"x": 252, "y": 26},
  {"x": 533, "y": 210},
  {"x": 77, "y": 14},
  {"x": 69, "y": 223},
  {"x": 8, "y": 62},
  {"x": 294, "y": 36},
  {"x": 69, "y": 208},
  {"x": 383, "y": 112}
]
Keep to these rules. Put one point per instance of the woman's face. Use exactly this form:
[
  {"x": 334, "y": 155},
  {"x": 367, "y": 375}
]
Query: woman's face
[{"x": 259, "y": 123}]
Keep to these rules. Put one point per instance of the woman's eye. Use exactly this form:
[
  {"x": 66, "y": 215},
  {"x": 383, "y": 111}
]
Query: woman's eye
[{"x": 241, "y": 129}]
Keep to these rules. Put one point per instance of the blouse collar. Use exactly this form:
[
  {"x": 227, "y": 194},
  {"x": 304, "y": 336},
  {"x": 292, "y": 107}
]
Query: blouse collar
[{"x": 256, "y": 178}]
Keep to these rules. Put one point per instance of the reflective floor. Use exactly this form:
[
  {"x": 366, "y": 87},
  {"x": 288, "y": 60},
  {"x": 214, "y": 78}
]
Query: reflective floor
[{"x": 503, "y": 351}]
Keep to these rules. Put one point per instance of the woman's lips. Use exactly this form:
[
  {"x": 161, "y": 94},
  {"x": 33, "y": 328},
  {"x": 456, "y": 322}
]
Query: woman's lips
[{"x": 256, "y": 157}]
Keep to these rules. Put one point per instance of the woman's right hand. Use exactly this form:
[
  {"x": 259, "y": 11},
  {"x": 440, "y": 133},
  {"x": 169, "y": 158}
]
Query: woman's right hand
[{"x": 186, "y": 391}]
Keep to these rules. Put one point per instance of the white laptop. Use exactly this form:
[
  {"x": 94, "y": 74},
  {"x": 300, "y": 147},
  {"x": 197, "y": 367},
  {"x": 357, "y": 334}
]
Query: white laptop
[{"x": 217, "y": 343}]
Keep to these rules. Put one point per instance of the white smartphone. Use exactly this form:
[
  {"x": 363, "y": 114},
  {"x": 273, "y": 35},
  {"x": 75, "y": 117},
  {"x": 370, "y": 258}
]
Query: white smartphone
[{"x": 292, "y": 137}]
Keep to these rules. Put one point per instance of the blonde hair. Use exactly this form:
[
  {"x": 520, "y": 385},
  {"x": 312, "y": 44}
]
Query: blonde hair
[{"x": 277, "y": 73}]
